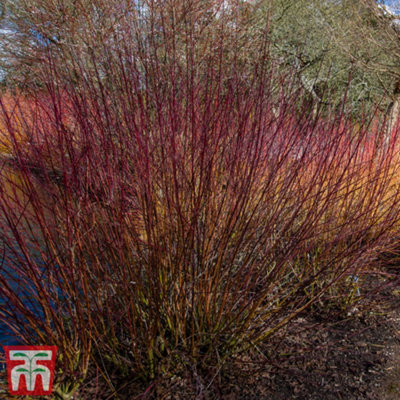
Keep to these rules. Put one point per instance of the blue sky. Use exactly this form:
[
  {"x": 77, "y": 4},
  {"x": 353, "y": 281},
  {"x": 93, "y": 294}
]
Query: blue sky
[{"x": 394, "y": 5}]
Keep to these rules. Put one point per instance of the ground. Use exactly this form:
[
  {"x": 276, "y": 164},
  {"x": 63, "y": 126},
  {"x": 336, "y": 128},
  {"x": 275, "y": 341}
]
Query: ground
[{"x": 354, "y": 357}]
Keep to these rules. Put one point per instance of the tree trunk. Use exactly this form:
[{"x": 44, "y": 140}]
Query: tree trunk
[{"x": 393, "y": 114}]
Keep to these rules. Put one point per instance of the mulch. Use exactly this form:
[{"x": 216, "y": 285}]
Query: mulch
[{"x": 352, "y": 358}]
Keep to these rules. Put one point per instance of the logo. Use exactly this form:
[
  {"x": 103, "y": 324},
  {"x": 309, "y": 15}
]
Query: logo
[{"x": 30, "y": 369}]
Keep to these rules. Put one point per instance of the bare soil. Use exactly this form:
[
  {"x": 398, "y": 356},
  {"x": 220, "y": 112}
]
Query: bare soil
[{"x": 353, "y": 358}]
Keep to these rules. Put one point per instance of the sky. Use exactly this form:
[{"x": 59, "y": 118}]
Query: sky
[{"x": 392, "y": 6}]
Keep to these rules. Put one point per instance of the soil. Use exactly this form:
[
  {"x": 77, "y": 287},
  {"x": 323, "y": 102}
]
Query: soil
[{"x": 354, "y": 358}]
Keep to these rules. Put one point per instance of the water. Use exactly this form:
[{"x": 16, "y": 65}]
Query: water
[{"x": 7, "y": 336}]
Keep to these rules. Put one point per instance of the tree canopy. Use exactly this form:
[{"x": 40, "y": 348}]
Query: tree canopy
[{"x": 336, "y": 48}]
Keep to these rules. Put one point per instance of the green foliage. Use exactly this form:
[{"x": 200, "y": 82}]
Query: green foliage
[{"x": 317, "y": 37}]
